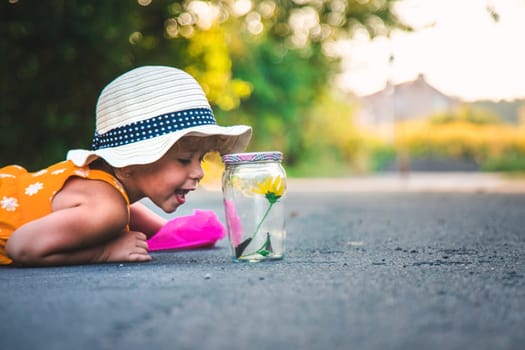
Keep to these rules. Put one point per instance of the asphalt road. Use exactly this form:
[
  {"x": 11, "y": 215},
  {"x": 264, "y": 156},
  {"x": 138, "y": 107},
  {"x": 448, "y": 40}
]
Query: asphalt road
[{"x": 367, "y": 270}]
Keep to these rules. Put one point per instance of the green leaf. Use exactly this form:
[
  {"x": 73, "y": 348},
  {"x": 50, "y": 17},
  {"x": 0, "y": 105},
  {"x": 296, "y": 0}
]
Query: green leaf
[{"x": 263, "y": 252}]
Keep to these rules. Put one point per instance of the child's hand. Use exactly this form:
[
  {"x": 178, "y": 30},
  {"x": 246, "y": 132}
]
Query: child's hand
[
  {"x": 128, "y": 246},
  {"x": 202, "y": 229}
]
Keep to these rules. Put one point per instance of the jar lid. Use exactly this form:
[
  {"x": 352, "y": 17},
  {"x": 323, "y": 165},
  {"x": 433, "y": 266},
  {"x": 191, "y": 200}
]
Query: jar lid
[{"x": 235, "y": 158}]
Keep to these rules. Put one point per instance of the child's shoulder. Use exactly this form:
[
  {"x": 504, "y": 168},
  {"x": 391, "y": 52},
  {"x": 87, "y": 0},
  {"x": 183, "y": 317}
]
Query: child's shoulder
[
  {"x": 87, "y": 182},
  {"x": 90, "y": 193}
]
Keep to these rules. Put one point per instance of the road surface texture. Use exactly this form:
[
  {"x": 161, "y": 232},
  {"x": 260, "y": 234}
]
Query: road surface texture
[{"x": 366, "y": 268}]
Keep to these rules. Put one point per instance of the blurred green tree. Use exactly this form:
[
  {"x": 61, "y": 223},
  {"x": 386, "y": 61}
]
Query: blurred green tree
[
  {"x": 285, "y": 88},
  {"x": 58, "y": 55},
  {"x": 283, "y": 51}
]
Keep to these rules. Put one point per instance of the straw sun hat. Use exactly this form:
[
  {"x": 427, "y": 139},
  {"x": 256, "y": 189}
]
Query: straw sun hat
[{"x": 142, "y": 113}]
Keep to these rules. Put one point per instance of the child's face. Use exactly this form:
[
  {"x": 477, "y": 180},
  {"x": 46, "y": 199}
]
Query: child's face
[{"x": 167, "y": 181}]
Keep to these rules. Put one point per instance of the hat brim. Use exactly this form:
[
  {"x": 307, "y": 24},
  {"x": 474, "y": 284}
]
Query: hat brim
[{"x": 235, "y": 139}]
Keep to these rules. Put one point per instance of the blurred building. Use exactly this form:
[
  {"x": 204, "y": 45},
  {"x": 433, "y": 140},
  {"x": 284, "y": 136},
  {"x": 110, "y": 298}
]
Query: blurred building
[
  {"x": 410, "y": 100},
  {"x": 418, "y": 100}
]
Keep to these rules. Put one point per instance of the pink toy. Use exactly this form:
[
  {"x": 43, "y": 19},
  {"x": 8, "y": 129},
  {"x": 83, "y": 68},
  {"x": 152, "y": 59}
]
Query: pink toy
[{"x": 202, "y": 229}]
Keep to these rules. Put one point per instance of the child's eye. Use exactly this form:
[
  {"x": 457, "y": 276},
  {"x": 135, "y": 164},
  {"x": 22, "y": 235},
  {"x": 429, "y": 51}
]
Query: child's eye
[{"x": 184, "y": 161}]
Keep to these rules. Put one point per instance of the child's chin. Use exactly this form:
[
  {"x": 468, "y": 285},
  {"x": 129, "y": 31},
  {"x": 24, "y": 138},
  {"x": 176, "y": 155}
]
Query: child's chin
[
  {"x": 170, "y": 207},
  {"x": 170, "y": 210}
]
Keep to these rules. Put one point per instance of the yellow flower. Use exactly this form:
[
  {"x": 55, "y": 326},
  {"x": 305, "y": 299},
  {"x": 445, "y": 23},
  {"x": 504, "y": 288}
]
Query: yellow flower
[{"x": 271, "y": 188}]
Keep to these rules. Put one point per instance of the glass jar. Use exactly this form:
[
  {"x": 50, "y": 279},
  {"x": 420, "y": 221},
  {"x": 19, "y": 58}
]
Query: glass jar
[{"x": 253, "y": 186}]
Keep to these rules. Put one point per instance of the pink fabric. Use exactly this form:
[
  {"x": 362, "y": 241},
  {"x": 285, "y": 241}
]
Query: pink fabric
[{"x": 202, "y": 229}]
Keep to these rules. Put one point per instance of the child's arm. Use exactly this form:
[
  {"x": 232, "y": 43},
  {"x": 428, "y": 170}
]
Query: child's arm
[
  {"x": 87, "y": 225},
  {"x": 142, "y": 219}
]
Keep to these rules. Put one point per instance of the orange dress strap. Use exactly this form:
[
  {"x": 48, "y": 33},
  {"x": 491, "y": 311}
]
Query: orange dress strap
[{"x": 26, "y": 196}]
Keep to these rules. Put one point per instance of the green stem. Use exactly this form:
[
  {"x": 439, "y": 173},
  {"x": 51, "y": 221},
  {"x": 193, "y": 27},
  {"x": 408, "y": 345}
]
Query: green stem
[{"x": 262, "y": 220}]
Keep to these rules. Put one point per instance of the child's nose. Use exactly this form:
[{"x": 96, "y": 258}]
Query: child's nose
[{"x": 197, "y": 172}]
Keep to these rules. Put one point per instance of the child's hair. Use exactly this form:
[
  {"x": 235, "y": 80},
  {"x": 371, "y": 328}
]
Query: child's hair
[
  {"x": 200, "y": 143},
  {"x": 144, "y": 112}
]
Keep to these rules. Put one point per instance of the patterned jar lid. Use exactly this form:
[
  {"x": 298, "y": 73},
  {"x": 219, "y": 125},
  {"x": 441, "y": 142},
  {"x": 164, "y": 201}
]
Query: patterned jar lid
[{"x": 253, "y": 157}]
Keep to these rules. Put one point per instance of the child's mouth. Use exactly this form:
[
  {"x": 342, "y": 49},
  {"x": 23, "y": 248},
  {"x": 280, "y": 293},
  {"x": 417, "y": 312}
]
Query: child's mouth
[{"x": 181, "y": 195}]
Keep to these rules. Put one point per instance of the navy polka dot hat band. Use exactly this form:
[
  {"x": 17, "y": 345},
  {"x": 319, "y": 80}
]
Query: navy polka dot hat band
[
  {"x": 153, "y": 127},
  {"x": 144, "y": 112}
]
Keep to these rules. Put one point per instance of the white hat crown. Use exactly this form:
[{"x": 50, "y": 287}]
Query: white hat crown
[{"x": 147, "y": 92}]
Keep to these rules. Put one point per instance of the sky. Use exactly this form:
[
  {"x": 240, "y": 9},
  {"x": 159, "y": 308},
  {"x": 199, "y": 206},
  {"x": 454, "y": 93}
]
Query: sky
[{"x": 457, "y": 45}]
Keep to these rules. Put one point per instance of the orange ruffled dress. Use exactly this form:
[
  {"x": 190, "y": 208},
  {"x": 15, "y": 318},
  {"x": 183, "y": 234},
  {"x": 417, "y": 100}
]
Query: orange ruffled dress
[{"x": 25, "y": 196}]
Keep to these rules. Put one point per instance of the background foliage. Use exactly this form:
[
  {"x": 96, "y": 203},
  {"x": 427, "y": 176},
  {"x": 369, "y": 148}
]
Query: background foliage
[
  {"x": 263, "y": 63},
  {"x": 467, "y": 133}
]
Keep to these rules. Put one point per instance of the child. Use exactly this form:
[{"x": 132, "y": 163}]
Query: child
[{"x": 153, "y": 127}]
